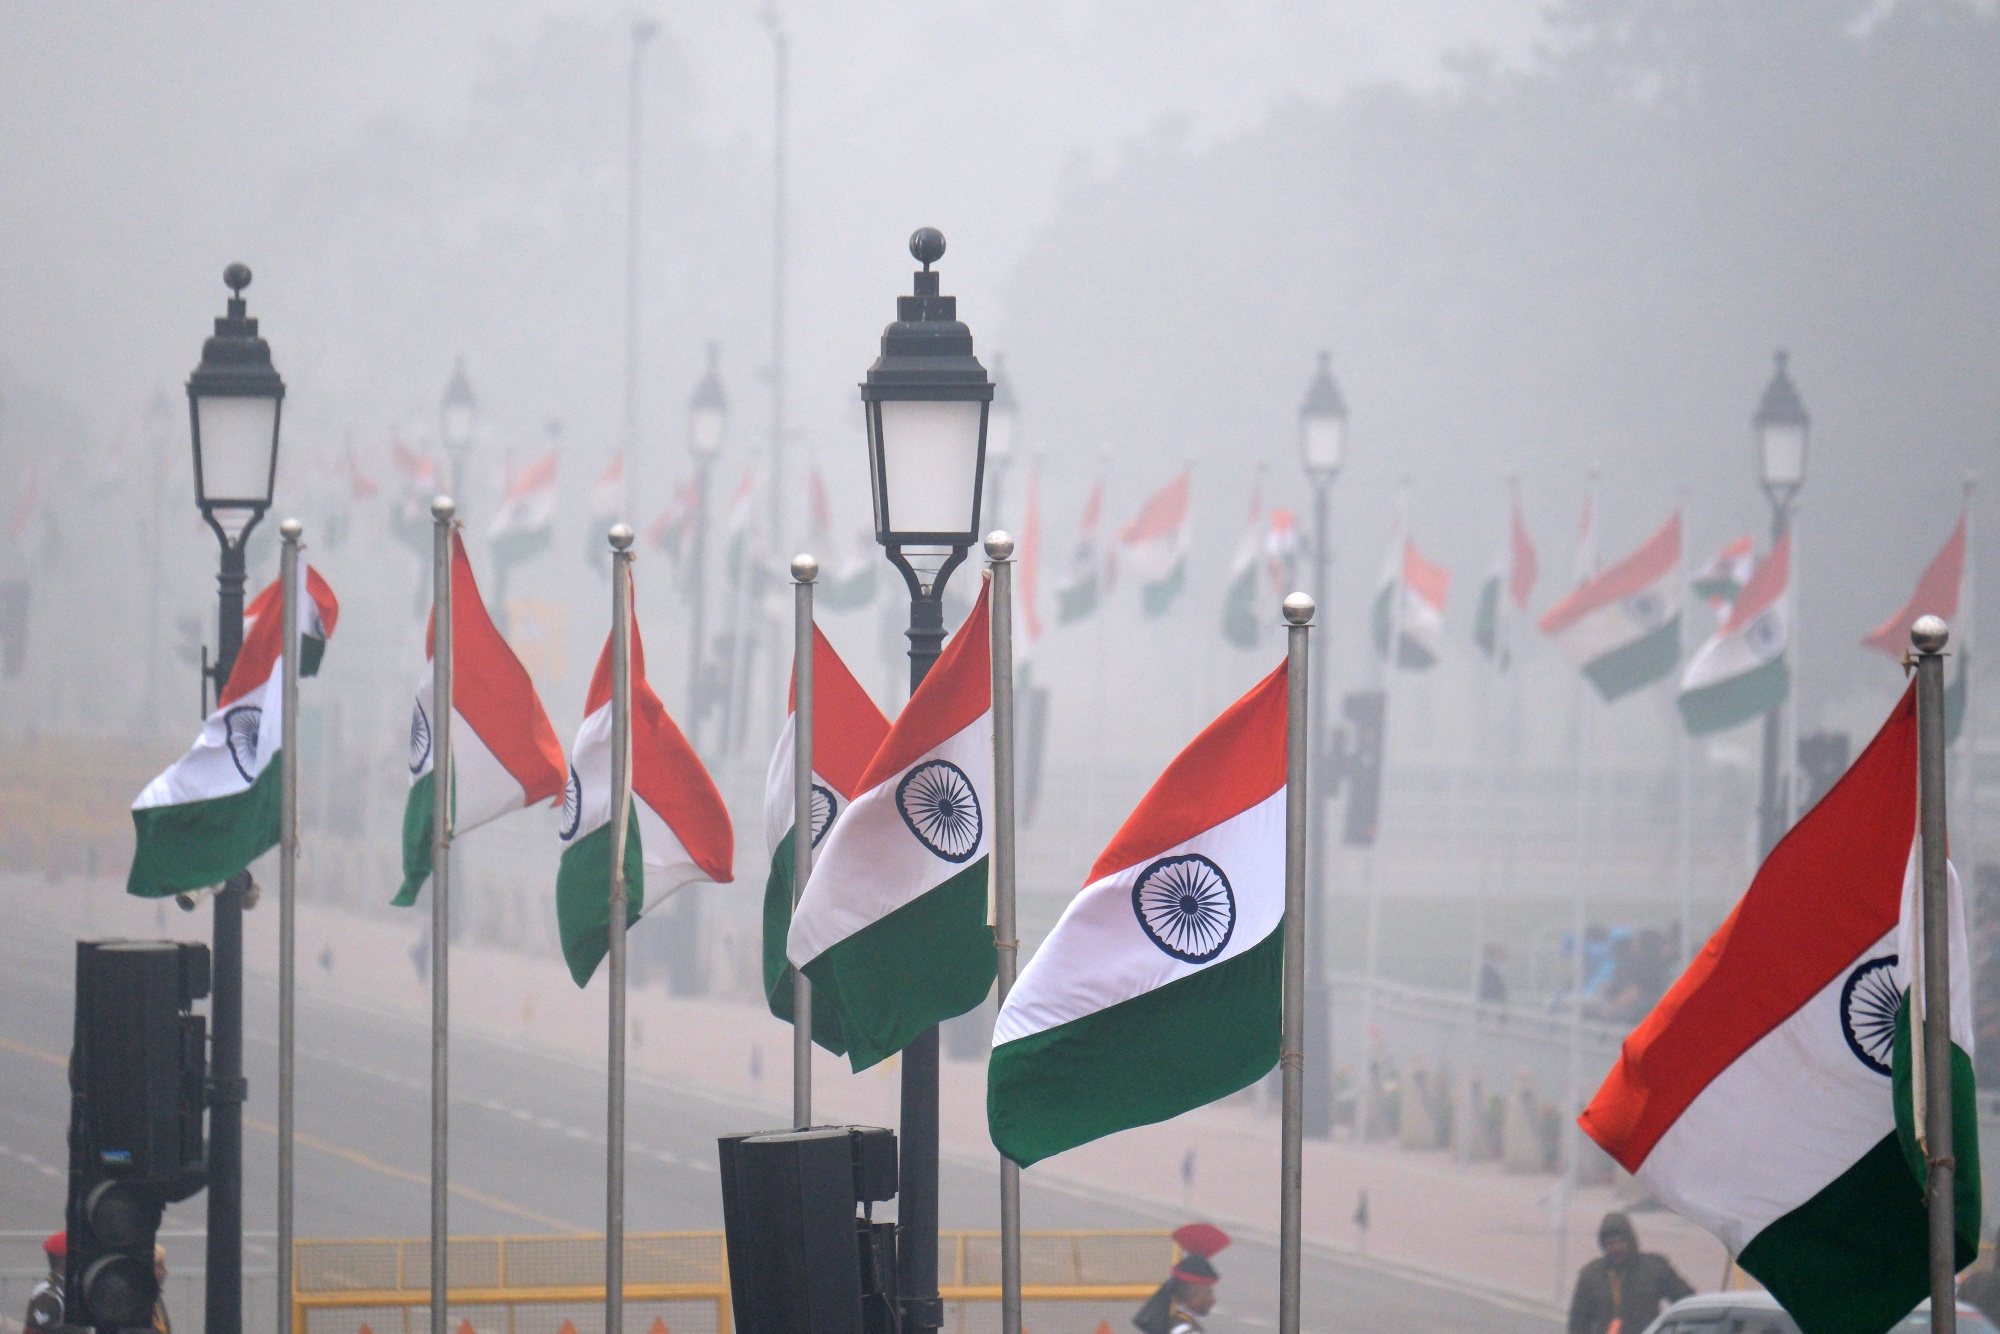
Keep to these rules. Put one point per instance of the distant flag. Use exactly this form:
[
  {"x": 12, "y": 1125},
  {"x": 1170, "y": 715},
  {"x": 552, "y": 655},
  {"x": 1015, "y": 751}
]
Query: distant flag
[
  {"x": 1722, "y": 576},
  {"x": 1156, "y": 544},
  {"x": 736, "y": 527},
  {"x": 1419, "y": 621},
  {"x": 316, "y": 617},
  {"x": 522, "y": 527},
  {"x": 360, "y": 486},
  {"x": 1512, "y": 577},
  {"x": 607, "y": 505},
  {"x": 850, "y": 584},
  {"x": 1586, "y": 536},
  {"x": 411, "y": 518},
  {"x": 1740, "y": 673},
  {"x": 679, "y": 828},
  {"x": 668, "y": 533},
  {"x": 1940, "y": 592},
  {"x": 847, "y": 731},
  {"x": 1088, "y": 577},
  {"x": 1622, "y": 628},
  {"x": 215, "y": 810},
  {"x": 1244, "y": 598},
  {"x": 505, "y": 756}
]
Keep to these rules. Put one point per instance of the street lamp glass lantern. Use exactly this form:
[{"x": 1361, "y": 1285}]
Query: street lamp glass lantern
[
  {"x": 1323, "y": 422},
  {"x": 1782, "y": 433},
  {"x": 926, "y": 402},
  {"x": 708, "y": 411},
  {"x": 456, "y": 413},
  {"x": 234, "y": 397}
]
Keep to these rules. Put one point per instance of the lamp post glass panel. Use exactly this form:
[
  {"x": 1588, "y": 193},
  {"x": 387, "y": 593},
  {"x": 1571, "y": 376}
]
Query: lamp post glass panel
[
  {"x": 456, "y": 414},
  {"x": 708, "y": 423},
  {"x": 1782, "y": 428},
  {"x": 1322, "y": 440},
  {"x": 925, "y": 400},
  {"x": 234, "y": 397}
]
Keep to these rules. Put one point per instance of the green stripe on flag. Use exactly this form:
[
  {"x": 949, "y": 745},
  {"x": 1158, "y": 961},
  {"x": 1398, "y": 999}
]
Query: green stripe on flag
[
  {"x": 195, "y": 844},
  {"x": 1176, "y": 1047},
  {"x": 928, "y": 961},
  {"x": 778, "y": 972},
  {"x": 583, "y": 896},
  {"x": 1156, "y": 598},
  {"x": 1735, "y": 700},
  {"x": 416, "y": 840},
  {"x": 1486, "y": 623},
  {"x": 1639, "y": 663}
]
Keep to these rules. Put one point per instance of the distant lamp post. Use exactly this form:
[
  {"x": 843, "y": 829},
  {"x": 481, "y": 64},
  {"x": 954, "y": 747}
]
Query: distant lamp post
[
  {"x": 457, "y": 414},
  {"x": 234, "y": 397},
  {"x": 1002, "y": 437},
  {"x": 1782, "y": 429},
  {"x": 925, "y": 400},
  {"x": 708, "y": 427},
  {"x": 1322, "y": 445}
]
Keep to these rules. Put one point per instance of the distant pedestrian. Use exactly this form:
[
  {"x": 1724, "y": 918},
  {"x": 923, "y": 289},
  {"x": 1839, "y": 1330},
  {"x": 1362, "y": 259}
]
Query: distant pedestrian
[
  {"x": 1189, "y": 1291},
  {"x": 1622, "y": 1290},
  {"x": 45, "y": 1302}
]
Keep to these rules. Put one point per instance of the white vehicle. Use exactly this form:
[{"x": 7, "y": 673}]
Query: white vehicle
[{"x": 1755, "y": 1311}]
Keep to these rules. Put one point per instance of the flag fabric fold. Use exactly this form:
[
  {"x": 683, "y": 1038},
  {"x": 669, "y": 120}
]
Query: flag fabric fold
[
  {"x": 215, "y": 810},
  {"x": 505, "y": 756},
  {"x": 317, "y": 614},
  {"x": 893, "y": 923},
  {"x": 1740, "y": 672},
  {"x": 1622, "y": 628},
  {"x": 1767, "y": 1096},
  {"x": 1511, "y": 578},
  {"x": 679, "y": 828},
  {"x": 1089, "y": 575},
  {"x": 1939, "y": 592},
  {"x": 1241, "y": 626},
  {"x": 1158, "y": 989},
  {"x": 1721, "y": 578},
  {"x": 847, "y": 731}
]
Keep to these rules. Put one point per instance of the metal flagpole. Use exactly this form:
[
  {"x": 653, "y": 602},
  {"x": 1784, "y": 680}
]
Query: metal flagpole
[
  {"x": 621, "y": 809},
  {"x": 804, "y": 571},
  {"x": 1483, "y": 757},
  {"x": 1006, "y": 941},
  {"x": 289, "y": 586},
  {"x": 1386, "y": 665},
  {"x": 1298, "y": 608},
  {"x": 443, "y": 514},
  {"x": 1929, "y": 636},
  {"x": 1968, "y": 644}
]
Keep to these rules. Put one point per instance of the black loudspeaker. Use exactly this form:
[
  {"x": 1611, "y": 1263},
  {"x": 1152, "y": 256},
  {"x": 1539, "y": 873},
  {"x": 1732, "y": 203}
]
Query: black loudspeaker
[
  {"x": 138, "y": 1074},
  {"x": 804, "y": 1257}
]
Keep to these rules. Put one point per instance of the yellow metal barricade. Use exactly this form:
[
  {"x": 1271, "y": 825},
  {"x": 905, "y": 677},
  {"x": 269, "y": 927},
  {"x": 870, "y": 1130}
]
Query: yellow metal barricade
[{"x": 678, "y": 1282}]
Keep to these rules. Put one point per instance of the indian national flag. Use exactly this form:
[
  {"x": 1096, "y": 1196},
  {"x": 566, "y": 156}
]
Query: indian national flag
[
  {"x": 1088, "y": 577},
  {"x": 679, "y": 827},
  {"x": 1419, "y": 623},
  {"x": 1241, "y": 625},
  {"x": 1156, "y": 544},
  {"x": 1768, "y": 1096},
  {"x": 847, "y": 731},
  {"x": 505, "y": 756},
  {"x": 1622, "y": 628},
  {"x": 1158, "y": 989},
  {"x": 1741, "y": 673},
  {"x": 607, "y": 502},
  {"x": 1512, "y": 578},
  {"x": 1938, "y": 593},
  {"x": 316, "y": 617},
  {"x": 1721, "y": 578},
  {"x": 215, "y": 809},
  {"x": 526, "y": 517},
  {"x": 893, "y": 927}
]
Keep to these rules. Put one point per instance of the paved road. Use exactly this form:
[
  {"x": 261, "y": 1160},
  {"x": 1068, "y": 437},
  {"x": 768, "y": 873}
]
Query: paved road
[{"x": 527, "y": 1155}]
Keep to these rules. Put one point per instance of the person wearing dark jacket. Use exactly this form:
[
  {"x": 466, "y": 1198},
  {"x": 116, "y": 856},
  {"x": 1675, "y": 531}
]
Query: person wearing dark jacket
[
  {"x": 1189, "y": 1292},
  {"x": 1622, "y": 1290}
]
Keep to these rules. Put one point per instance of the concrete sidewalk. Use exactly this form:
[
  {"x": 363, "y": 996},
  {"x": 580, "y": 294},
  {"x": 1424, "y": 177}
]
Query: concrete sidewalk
[{"x": 1475, "y": 1227}]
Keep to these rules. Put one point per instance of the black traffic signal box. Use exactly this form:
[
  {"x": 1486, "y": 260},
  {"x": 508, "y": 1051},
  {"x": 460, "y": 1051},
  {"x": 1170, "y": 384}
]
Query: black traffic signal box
[{"x": 137, "y": 1078}]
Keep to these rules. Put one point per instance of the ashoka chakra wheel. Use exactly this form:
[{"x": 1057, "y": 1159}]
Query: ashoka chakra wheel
[
  {"x": 239, "y": 730},
  {"x": 1868, "y": 1006},
  {"x": 938, "y": 804},
  {"x": 572, "y": 812},
  {"x": 420, "y": 740},
  {"x": 1185, "y": 906},
  {"x": 825, "y": 806}
]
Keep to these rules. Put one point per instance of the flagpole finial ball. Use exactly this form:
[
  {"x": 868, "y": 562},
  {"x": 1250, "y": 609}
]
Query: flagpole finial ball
[
  {"x": 805, "y": 569},
  {"x": 621, "y": 536},
  {"x": 1930, "y": 634},
  {"x": 1299, "y": 608},
  {"x": 927, "y": 245},
  {"x": 999, "y": 545},
  {"x": 291, "y": 530}
]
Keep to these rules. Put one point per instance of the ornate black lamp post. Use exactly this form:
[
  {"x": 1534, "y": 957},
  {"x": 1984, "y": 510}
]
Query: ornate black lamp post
[
  {"x": 926, "y": 400},
  {"x": 708, "y": 424},
  {"x": 234, "y": 397},
  {"x": 1322, "y": 439},
  {"x": 1782, "y": 429}
]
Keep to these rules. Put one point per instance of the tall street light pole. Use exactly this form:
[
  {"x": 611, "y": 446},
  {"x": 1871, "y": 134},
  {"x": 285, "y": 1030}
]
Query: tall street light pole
[
  {"x": 708, "y": 419},
  {"x": 781, "y": 73},
  {"x": 1322, "y": 441},
  {"x": 925, "y": 400},
  {"x": 643, "y": 31},
  {"x": 1782, "y": 429},
  {"x": 234, "y": 397}
]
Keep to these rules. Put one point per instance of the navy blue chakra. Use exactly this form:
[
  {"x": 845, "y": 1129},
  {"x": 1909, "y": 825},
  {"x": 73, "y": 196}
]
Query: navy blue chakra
[
  {"x": 938, "y": 804},
  {"x": 239, "y": 730},
  {"x": 572, "y": 813},
  {"x": 420, "y": 740},
  {"x": 1868, "y": 1007},
  {"x": 1185, "y": 906},
  {"x": 825, "y": 806}
]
